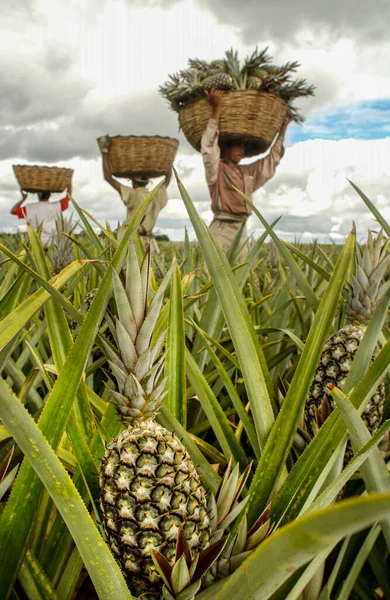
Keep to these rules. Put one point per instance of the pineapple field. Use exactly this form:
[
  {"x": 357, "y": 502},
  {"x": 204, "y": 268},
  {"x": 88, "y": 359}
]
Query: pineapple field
[{"x": 177, "y": 425}]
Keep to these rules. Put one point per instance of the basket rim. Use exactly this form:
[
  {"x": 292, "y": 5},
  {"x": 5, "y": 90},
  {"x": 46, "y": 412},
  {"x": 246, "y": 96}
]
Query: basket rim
[
  {"x": 228, "y": 93},
  {"x": 43, "y": 167},
  {"x": 148, "y": 137}
]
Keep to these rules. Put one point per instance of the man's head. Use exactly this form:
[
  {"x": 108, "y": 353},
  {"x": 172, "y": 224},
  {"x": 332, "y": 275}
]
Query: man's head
[
  {"x": 140, "y": 181},
  {"x": 233, "y": 152},
  {"x": 43, "y": 196}
]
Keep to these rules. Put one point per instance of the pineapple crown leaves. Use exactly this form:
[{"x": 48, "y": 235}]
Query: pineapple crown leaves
[
  {"x": 283, "y": 73},
  {"x": 239, "y": 546},
  {"x": 199, "y": 65},
  {"x": 225, "y": 507},
  {"x": 182, "y": 578},
  {"x": 187, "y": 86},
  {"x": 233, "y": 67},
  {"x": 366, "y": 286},
  {"x": 191, "y": 77},
  {"x": 62, "y": 243},
  {"x": 65, "y": 225},
  {"x": 260, "y": 530},
  {"x": 257, "y": 59},
  {"x": 138, "y": 367}
]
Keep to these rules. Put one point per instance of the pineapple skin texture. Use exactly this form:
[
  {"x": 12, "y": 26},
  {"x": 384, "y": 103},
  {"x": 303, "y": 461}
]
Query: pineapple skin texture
[
  {"x": 335, "y": 363},
  {"x": 149, "y": 488},
  {"x": 221, "y": 81}
]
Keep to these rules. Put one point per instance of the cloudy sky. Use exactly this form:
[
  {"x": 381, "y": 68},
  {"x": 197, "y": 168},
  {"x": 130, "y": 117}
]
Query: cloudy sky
[{"x": 74, "y": 70}]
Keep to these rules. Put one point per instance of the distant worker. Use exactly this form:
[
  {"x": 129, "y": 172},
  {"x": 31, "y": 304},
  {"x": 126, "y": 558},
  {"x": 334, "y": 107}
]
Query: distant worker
[
  {"x": 132, "y": 197},
  {"x": 223, "y": 170},
  {"x": 43, "y": 212}
]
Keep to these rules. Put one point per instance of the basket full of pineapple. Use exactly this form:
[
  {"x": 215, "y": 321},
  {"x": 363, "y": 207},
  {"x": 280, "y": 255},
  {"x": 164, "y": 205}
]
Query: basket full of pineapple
[
  {"x": 141, "y": 155},
  {"x": 258, "y": 96}
]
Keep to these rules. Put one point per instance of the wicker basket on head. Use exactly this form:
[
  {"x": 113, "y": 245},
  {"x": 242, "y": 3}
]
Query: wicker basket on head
[
  {"x": 247, "y": 116},
  {"x": 42, "y": 179},
  {"x": 141, "y": 155}
]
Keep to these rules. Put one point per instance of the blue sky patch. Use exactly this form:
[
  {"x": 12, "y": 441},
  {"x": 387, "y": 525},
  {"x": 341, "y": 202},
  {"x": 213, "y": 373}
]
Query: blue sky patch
[{"x": 362, "y": 121}]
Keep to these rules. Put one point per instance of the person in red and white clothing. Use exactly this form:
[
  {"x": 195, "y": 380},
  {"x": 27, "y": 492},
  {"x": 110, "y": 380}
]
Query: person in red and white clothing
[
  {"x": 223, "y": 171},
  {"x": 42, "y": 212}
]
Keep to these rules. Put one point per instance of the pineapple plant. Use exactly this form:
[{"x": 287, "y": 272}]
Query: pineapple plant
[
  {"x": 149, "y": 485},
  {"x": 365, "y": 291},
  {"x": 60, "y": 536},
  {"x": 61, "y": 245}
]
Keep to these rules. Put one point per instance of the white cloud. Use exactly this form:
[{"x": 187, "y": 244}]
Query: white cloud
[
  {"x": 324, "y": 198},
  {"x": 72, "y": 71},
  {"x": 310, "y": 190}
]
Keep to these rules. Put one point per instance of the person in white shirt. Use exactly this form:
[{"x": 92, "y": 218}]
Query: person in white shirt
[
  {"x": 132, "y": 197},
  {"x": 42, "y": 212}
]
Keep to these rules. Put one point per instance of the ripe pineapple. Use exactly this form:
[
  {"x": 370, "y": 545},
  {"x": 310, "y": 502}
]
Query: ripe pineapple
[
  {"x": 149, "y": 485},
  {"x": 258, "y": 72},
  {"x": 366, "y": 290},
  {"x": 219, "y": 81},
  {"x": 218, "y": 65},
  {"x": 253, "y": 83}
]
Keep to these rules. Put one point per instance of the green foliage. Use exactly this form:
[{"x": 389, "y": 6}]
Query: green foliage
[{"x": 242, "y": 347}]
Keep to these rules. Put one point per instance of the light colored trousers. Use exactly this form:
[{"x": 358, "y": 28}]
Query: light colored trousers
[{"x": 225, "y": 232}]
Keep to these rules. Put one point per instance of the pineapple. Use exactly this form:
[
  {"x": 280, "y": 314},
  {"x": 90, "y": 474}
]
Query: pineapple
[
  {"x": 366, "y": 290},
  {"x": 218, "y": 65},
  {"x": 214, "y": 68},
  {"x": 149, "y": 485},
  {"x": 258, "y": 72},
  {"x": 199, "y": 65},
  {"x": 254, "y": 68},
  {"x": 219, "y": 81},
  {"x": 61, "y": 245},
  {"x": 254, "y": 83}
]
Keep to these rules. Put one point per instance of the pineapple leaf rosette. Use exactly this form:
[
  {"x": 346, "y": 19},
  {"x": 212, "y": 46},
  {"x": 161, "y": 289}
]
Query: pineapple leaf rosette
[
  {"x": 150, "y": 489},
  {"x": 257, "y": 72},
  {"x": 366, "y": 289}
]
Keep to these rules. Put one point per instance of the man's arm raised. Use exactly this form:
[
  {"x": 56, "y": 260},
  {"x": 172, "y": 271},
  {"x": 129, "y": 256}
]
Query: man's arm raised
[
  {"x": 264, "y": 169},
  {"x": 104, "y": 145},
  {"x": 210, "y": 149},
  {"x": 16, "y": 209}
]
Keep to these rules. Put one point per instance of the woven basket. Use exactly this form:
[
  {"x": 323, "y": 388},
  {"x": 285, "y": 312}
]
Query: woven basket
[
  {"x": 136, "y": 155},
  {"x": 247, "y": 116},
  {"x": 42, "y": 179}
]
